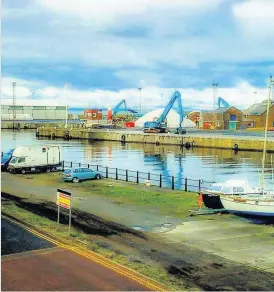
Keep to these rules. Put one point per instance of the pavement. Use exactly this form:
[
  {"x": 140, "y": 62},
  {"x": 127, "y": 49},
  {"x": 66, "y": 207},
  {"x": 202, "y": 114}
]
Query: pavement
[
  {"x": 245, "y": 135},
  {"x": 234, "y": 239},
  {"x": 34, "y": 264}
]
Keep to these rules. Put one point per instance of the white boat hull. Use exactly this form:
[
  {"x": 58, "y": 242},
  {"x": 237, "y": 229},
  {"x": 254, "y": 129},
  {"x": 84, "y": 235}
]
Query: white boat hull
[{"x": 248, "y": 206}]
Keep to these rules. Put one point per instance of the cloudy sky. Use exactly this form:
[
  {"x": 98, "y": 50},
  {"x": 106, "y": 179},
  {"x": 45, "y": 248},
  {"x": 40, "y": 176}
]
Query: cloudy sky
[{"x": 107, "y": 49}]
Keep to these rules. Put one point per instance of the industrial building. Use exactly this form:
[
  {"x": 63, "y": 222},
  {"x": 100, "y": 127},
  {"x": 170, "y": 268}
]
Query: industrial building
[
  {"x": 255, "y": 116},
  {"x": 223, "y": 118},
  {"x": 32, "y": 110}
]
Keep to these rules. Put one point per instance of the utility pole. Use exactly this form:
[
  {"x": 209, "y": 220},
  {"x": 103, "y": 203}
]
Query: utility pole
[
  {"x": 140, "y": 89},
  {"x": 13, "y": 104},
  {"x": 66, "y": 93},
  {"x": 214, "y": 87}
]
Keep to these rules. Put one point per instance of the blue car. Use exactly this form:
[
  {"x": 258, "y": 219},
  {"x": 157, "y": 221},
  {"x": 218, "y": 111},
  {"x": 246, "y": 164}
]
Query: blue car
[
  {"x": 6, "y": 159},
  {"x": 79, "y": 174}
]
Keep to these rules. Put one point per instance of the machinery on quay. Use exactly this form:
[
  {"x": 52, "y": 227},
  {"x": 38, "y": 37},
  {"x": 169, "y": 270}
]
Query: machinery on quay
[
  {"x": 160, "y": 124},
  {"x": 221, "y": 101},
  {"x": 119, "y": 108}
]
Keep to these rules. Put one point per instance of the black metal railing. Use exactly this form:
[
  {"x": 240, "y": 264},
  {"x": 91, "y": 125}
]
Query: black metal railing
[{"x": 160, "y": 180}]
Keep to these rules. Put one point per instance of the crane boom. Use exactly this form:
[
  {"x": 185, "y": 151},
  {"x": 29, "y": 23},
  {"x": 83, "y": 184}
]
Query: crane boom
[
  {"x": 160, "y": 125},
  {"x": 222, "y": 101},
  {"x": 117, "y": 108}
]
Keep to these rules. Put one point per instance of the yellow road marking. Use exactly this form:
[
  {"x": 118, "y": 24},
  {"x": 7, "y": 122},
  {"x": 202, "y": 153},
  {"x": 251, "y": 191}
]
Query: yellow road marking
[{"x": 124, "y": 271}]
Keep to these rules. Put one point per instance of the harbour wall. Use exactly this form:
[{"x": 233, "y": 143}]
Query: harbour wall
[{"x": 239, "y": 143}]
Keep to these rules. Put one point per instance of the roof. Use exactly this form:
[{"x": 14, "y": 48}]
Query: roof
[
  {"x": 29, "y": 102},
  {"x": 219, "y": 110},
  {"x": 257, "y": 109}
]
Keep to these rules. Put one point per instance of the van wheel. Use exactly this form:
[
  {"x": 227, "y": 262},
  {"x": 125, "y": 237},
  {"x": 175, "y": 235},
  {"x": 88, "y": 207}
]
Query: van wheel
[
  {"x": 23, "y": 171},
  {"x": 75, "y": 180},
  {"x": 98, "y": 176},
  {"x": 48, "y": 169}
]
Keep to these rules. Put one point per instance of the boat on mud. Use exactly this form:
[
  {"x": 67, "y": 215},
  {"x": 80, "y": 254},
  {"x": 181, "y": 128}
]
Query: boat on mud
[
  {"x": 249, "y": 206},
  {"x": 236, "y": 188}
]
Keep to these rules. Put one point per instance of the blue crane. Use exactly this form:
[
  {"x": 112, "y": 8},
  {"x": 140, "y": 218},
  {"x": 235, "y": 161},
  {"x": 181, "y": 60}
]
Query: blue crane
[
  {"x": 222, "y": 101},
  {"x": 160, "y": 125},
  {"x": 118, "y": 108}
]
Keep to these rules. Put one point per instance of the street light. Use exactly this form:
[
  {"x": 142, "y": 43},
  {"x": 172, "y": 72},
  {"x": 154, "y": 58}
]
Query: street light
[
  {"x": 66, "y": 94},
  {"x": 214, "y": 87},
  {"x": 140, "y": 88}
]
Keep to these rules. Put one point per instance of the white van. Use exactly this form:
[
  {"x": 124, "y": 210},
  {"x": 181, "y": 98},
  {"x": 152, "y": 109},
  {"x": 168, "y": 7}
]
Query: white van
[{"x": 35, "y": 158}]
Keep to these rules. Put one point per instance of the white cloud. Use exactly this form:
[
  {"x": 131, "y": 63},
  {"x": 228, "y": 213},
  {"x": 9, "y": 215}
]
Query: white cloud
[
  {"x": 241, "y": 96},
  {"x": 256, "y": 17}
]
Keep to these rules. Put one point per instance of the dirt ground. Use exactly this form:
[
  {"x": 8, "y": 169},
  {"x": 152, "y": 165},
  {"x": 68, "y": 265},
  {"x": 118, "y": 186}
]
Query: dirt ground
[{"x": 195, "y": 267}]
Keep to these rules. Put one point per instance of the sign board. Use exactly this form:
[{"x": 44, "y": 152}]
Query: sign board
[{"x": 63, "y": 199}]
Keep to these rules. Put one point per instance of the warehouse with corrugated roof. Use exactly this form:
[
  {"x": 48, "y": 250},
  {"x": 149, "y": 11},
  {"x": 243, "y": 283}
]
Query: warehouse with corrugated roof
[
  {"x": 255, "y": 116},
  {"x": 32, "y": 110}
]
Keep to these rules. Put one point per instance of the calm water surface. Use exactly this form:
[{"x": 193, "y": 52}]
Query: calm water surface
[{"x": 206, "y": 164}]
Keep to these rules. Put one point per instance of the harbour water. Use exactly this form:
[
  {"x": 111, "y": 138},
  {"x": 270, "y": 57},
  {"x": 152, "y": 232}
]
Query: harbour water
[{"x": 206, "y": 164}]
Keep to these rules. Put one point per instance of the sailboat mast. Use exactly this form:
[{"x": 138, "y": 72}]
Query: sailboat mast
[{"x": 265, "y": 132}]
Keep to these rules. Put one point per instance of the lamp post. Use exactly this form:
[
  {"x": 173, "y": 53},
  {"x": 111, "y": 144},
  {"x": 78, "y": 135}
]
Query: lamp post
[
  {"x": 66, "y": 95},
  {"x": 214, "y": 87},
  {"x": 140, "y": 89}
]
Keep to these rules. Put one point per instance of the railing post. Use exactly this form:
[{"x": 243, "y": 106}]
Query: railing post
[
  {"x": 116, "y": 177},
  {"x": 137, "y": 178},
  {"x": 185, "y": 184},
  {"x": 148, "y": 176},
  {"x": 172, "y": 182},
  {"x": 126, "y": 175},
  {"x": 160, "y": 185},
  {"x": 106, "y": 172},
  {"x": 71, "y": 164},
  {"x": 97, "y": 167}
]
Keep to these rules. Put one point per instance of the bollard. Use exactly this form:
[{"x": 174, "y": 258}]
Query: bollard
[
  {"x": 126, "y": 175},
  {"x": 137, "y": 178},
  {"x": 106, "y": 172},
  {"x": 200, "y": 185},
  {"x": 97, "y": 167},
  {"x": 186, "y": 184},
  {"x": 116, "y": 174},
  {"x": 160, "y": 185},
  {"x": 148, "y": 176},
  {"x": 172, "y": 182}
]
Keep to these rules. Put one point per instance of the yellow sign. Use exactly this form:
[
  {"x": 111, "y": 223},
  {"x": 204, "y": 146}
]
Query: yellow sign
[{"x": 63, "y": 199}]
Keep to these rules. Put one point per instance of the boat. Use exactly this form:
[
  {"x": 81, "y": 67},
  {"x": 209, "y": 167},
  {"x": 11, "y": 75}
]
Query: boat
[
  {"x": 247, "y": 206},
  {"x": 262, "y": 203},
  {"x": 211, "y": 196}
]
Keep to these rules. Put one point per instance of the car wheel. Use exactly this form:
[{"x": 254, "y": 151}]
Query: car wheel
[
  {"x": 98, "y": 176},
  {"x": 23, "y": 171},
  {"x": 48, "y": 169},
  {"x": 75, "y": 180}
]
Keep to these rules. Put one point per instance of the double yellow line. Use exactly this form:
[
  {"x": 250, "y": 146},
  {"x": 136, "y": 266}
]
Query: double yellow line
[{"x": 120, "y": 269}]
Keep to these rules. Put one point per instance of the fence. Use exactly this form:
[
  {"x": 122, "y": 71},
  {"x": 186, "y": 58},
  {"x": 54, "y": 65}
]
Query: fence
[{"x": 160, "y": 180}]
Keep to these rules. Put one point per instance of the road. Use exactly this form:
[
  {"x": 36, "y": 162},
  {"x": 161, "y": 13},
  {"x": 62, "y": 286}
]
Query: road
[{"x": 30, "y": 263}]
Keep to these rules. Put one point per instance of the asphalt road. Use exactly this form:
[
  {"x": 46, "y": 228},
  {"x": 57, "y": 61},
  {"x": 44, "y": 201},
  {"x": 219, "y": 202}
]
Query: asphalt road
[{"x": 37, "y": 265}]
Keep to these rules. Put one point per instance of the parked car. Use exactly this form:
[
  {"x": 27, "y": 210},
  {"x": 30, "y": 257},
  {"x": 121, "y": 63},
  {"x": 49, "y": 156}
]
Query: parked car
[
  {"x": 79, "y": 174},
  {"x": 5, "y": 159}
]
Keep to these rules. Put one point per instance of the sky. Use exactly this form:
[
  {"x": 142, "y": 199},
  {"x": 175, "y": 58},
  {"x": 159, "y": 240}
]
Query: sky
[{"x": 105, "y": 50}]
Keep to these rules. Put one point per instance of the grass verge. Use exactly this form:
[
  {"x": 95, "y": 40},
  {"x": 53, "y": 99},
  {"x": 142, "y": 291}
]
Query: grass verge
[
  {"x": 172, "y": 202},
  {"x": 87, "y": 241}
]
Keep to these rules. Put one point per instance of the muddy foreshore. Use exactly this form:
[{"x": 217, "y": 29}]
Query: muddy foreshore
[{"x": 198, "y": 269}]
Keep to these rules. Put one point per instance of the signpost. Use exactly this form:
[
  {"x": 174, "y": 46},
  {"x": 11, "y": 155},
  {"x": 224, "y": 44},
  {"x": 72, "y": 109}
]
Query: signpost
[{"x": 64, "y": 201}]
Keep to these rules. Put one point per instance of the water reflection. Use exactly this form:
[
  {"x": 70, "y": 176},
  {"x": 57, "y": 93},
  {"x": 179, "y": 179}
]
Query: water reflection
[{"x": 197, "y": 163}]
